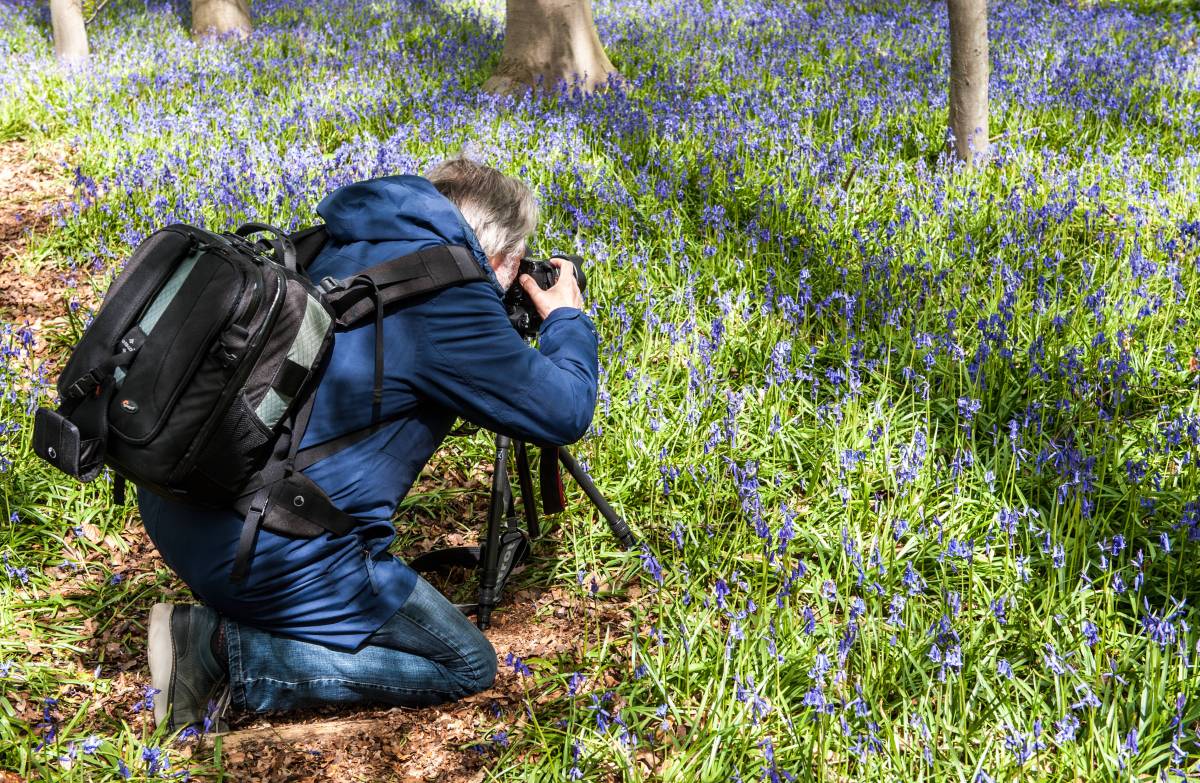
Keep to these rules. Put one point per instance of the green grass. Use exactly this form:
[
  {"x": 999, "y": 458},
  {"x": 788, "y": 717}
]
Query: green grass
[{"x": 830, "y": 142}]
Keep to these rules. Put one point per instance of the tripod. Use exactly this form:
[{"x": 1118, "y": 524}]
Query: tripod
[{"x": 506, "y": 545}]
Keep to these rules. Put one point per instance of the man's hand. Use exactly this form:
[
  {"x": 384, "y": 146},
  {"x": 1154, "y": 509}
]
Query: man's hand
[{"x": 564, "y": 293}]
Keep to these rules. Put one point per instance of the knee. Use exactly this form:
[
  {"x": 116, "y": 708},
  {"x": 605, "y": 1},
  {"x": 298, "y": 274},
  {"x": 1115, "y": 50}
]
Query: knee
[
  {"x": 484, "y": 665},
  {"x": 488, "y": 666}
]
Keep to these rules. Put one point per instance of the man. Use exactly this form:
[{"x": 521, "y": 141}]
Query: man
[{"x": 338, "y": 619}]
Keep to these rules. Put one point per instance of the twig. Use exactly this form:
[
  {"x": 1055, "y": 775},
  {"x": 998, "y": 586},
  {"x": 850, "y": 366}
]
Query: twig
[{"x": 98, "y": 9}]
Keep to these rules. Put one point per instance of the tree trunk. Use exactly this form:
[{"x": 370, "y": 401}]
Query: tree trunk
[
  {"x": 70, "y": 36},
  {"x": 212, "y": 18},
  {"x": 549, "y": 40},
  {"x": 969, "y": 79}
]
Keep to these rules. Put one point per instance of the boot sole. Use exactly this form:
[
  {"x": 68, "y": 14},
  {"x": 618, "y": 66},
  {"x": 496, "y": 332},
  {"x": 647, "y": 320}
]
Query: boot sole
[{"x": 161, "y": 652}]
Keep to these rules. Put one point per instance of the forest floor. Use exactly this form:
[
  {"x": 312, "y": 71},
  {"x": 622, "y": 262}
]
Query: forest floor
[
  {"x": 437, "y": 743},
  {"x": 33, "y": 188}
]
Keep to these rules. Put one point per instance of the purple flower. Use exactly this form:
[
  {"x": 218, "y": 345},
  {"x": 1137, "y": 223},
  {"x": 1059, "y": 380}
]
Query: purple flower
[
  {"x": 810, "y": 621},
  {"x": 156, "y": 760},
  {"x": 676, "y": 536},
  {"x": 1025, "y": 746},
  {"x": 1131, "y": 742},
  {"x": 1088, "y": 699},
  {"x": 651, "y": 565},
  {"x": 1066, "y": 728},
  {"x": 722, "y": 591},
  {"x": 147, "y": 700},
  {"x": 912, "y": 580},
  {"x": 21, "y": 573},
  {"x": 518, "y": 665},
  {"x": 574, "y": 682},
  {"x": 750, "y": 694}
]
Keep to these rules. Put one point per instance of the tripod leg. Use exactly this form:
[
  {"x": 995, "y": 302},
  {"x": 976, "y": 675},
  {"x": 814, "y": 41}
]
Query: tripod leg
[
  {"x": 525, "y": 478},
  {"x": 501, "y": 498},
  {"x": 617, "y": 525}
]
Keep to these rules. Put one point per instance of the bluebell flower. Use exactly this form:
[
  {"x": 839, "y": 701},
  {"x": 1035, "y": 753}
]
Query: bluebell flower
[
  {"x": 1087, "y": 700},
  {"x": 721, "y": 591},
  {"x": 574, "y": 682},
  {"x": 147, "y": 700},
  {"x": 651, "y": 565},
  {"x": 810, "y": 621},
  {"x": 156, "y": 760},
  {"x": 912, "y": 580},
  {"x": 1066, "y": 728},
  {"x": 1131, "y": 742},
  {"x": 1025, "y": 746},
  {"x": 604, "y": 718},
  {"x": 19, "y": 573},
  {"x": 676, "y": 536},
  {"x": 518, "y": 666}
]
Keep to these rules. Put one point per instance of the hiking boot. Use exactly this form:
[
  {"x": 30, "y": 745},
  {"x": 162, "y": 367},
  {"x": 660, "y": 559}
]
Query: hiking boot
[{"x": 193, "y": 688}]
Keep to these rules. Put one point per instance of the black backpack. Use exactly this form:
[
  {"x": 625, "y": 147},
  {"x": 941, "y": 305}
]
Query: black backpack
[{"x": 196, "y": 378}]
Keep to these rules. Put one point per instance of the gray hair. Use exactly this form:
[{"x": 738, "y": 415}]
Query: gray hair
[{"x": 501, "y": 210}]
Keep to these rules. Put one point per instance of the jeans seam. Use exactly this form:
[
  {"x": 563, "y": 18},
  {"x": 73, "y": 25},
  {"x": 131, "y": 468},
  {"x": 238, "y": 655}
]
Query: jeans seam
[
  {"x": 453, "y": 647},
  {"x": 233, "y": 652},
  {"x": 315, "y": 680}
]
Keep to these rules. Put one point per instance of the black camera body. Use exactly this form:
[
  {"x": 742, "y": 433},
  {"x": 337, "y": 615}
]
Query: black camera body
[{"x": 521, "y": 311}]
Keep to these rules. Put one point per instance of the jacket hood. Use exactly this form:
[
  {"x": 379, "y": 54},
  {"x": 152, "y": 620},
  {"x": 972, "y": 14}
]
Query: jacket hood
[{"x": 401, "y": 208}]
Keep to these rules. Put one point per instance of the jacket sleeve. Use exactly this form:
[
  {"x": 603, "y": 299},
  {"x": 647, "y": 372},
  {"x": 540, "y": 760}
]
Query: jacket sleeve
[{"x": 473, "y": 362}]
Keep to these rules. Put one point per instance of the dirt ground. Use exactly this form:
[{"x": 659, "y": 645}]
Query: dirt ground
[
  {"x": 34, "y": 187},
  {"x": 447, "y": 744}
]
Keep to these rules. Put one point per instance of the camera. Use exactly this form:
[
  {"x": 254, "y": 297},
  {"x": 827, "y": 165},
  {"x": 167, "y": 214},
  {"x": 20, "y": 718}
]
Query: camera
[{"x": 522, "y": 313}]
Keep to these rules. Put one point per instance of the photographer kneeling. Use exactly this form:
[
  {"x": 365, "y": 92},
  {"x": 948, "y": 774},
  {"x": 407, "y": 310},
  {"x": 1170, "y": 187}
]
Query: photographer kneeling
[{"x": 338, "y": 619}]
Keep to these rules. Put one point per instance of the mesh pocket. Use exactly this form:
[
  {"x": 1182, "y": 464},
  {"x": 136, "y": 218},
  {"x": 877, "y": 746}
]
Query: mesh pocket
[{"x": 237, "y": 447}]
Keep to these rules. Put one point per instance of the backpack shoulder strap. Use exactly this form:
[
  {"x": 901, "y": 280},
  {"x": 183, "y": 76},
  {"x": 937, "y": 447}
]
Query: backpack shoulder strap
[
  {"x": 426, "y": 270},
  {"x": 309, "y": 242}
]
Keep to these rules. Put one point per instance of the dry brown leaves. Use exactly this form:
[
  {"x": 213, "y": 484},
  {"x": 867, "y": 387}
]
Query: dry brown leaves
[
  {"x": 33, "y": 185},
  {"x": 430, "y": 744}
]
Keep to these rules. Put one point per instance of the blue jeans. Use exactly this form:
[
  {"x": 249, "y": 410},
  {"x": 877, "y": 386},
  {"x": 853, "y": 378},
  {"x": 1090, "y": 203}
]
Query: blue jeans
[{"x": 427, "y": 653}]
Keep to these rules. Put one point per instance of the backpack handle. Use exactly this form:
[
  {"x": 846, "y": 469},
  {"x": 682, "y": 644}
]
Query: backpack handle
[{"x": 282, "y": 245}]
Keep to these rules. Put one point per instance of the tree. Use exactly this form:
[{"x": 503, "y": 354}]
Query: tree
[
  {"x": 70, "y": 35},
  {"x": 969, "y": 78},
  {"x": 211, "y": 18},
  {"x": 549, "y": 40}
]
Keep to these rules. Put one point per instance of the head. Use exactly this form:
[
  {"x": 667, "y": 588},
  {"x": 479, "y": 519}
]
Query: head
[{"x": 501, "y": 210}]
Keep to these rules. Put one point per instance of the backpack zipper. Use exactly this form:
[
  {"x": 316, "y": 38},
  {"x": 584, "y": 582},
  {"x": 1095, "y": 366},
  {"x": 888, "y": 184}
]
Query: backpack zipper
[{"x": 234, "y": 385}]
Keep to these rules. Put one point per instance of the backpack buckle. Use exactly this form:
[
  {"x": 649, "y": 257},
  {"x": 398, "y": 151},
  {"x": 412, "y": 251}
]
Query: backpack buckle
[
  {"x": 329, "y": 284},
  {"x": 87, "y": 384}
]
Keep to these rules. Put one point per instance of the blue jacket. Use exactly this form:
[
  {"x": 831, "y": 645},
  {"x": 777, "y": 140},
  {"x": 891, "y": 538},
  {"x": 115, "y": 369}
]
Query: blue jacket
[{"x": 448, "y": 354}]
